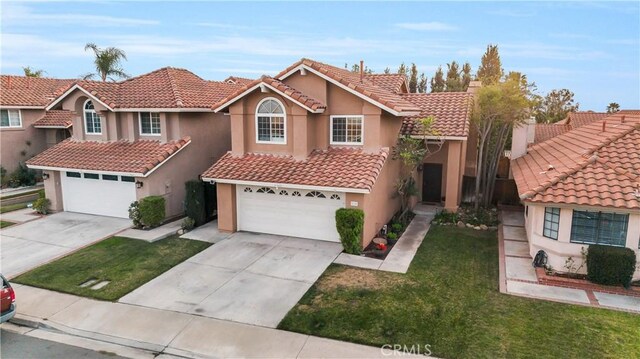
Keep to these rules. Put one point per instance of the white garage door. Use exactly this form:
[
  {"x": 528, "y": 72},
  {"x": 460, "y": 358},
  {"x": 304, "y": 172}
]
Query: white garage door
[
  {"x": 289, "y": 212},
  {"x": 102, "y": 194}
]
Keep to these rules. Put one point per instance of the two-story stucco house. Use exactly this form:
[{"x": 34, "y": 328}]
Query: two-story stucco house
[
  {"x": 581, "y": 187},
  {"x": 144, "y": 136},
  {"x": 316, "y": 138},
  {"x": 25, "y": 128}
]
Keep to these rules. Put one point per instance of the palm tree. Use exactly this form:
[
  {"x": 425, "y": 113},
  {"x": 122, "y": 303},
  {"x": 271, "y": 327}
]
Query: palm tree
[
  {"x": 29, "y": 72},
  {"x": 107, "y": 62},
  {"x": 613, "y": 107}
]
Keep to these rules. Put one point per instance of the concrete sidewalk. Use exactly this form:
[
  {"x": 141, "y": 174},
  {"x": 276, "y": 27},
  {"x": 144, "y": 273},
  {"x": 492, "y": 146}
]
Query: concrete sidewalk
[{"x": 167, "y": 332}]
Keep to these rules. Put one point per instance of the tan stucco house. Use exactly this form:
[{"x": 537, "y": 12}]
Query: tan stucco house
[
  {"x": 144, "y": 136},
  {"x": 26, "y": 129},
  {"x": 581, "y": 187},
  {"x": 316, "y": 138}
]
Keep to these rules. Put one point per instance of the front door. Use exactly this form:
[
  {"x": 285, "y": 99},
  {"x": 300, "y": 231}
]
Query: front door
[{"x": 432, "y": 182}]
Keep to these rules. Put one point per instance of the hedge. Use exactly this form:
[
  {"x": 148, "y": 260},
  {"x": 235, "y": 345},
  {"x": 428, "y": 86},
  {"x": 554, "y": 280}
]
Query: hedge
[
  {"x": 194, "y": 203},
  {"x": 152, "y": 211},
  {"x": 610, "y": 265},
  {"x": 350, "y": 222}
]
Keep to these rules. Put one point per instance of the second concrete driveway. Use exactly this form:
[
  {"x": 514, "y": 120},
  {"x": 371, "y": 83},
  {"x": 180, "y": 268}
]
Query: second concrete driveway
[
  {"x": 34, "y": 243},
  {"x": 248, "y": 278}
]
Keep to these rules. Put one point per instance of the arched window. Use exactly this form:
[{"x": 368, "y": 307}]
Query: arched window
[
  {"x": 271, "y": 122},
  {"x": 265, "y": 190},
  {"x": 316, "y": 194},
  {"x": 92, "y": 124},
  {"x": 335, "y": 196},
  {"x": 284, "y": 193},
  {"x": 248, "y": 189},
  {"x": 295, "y": 194}
]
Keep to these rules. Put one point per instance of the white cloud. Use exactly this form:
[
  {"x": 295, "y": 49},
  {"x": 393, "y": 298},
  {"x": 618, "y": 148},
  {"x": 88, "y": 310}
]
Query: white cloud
[
  {"x": 20, "y": 15},
  {"x": 426, "y": 26}
]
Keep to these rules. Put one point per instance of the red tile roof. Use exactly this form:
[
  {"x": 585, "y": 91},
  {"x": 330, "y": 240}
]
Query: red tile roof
[
  {"x": 450, "y": 109},
  {"x": 30, "y": 91},
  {"x": 137, "y": 157},
  {"x": 581, "y": 118},
  {"x": 167, "y": 87},
  {"x": 335, "y": 167},
  {"x": 351, "y": 80},
  {"x": 396, "y": 83},
  {"x": 585, "y": 166},
  {"x": 283, "y": 88},
  {"x": 55, "y": 119},
  {"x": 237, "y": 80},
  {"x": 545, "y": 131}
]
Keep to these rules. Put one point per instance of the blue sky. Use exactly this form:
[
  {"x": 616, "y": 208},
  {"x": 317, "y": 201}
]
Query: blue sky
[{"x": 592, "y": 49}]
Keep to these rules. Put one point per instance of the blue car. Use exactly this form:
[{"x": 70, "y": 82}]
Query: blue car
[{"x": 7, "y": 301}]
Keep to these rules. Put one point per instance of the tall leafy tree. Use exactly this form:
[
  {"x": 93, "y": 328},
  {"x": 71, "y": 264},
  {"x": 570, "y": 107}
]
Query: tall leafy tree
[
  {"x": 387, "y": 70},
  {"x": 466, "y": 76},
  {"x": 107, "y": 62},
  {"x": 355, "y": 68},
  {"x": 613, "y": 107},
  {"x": 490, "y": 71},
  {"x": 29, "y": 72},
  {"x": 555, "y": 106},
  {"x": 422, "y": 84},
  {"x": 413, "y": 79},
  {"x": 437, "y": 81},
  {"x": 453, "y": 82},
  {"x": 403, "y": 70},
  {"x": 498, "y": 108}
]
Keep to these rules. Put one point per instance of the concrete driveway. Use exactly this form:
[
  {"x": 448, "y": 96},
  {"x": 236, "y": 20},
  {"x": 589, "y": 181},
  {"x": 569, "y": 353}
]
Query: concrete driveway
[
  {"x": 29, "y": 245},
  {"x": 248, "y": 278}
]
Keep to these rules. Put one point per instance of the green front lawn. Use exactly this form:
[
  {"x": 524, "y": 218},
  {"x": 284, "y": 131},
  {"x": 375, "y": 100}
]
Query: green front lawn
[
  {"x": 6, "y": 224},
  {"x": 127, "y": 263},
  {"x": 13, "y": 207},
  {"x": 450, "y": 300}
]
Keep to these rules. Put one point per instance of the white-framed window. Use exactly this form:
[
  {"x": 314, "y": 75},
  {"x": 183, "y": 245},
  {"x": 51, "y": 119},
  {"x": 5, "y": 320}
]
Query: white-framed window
[
  {"x": 347, "y": 130},
  {"x": 92, "y": 125},
  {"x": 149, "y": 123},
  {"x": 271, "y": 122},
  {"x": 10, "y": 119}
]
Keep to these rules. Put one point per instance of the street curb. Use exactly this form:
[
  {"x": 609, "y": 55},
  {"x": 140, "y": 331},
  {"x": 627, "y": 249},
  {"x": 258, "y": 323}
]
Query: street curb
[{"x": 25, "y": 321}]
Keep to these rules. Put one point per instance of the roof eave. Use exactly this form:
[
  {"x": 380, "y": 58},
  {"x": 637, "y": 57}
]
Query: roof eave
[
  {"x": 255, "y": 87},
  {"x": 287, "y": 185}
]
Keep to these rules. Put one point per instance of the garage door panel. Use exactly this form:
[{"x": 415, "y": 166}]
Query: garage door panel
[
  {"x": 306, "y": 217},
  {"x": 97, "y": 196}
]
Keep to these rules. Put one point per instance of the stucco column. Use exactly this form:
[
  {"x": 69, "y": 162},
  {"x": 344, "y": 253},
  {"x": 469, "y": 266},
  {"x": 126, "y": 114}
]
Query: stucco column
[
  {"x": 564, "y": 227},
  {"x": 371, "y": 127},
  {"x": 300, "y": 132},
  {"x": 53, "y": 190},
  {"x": 453, "y": 176},
  {"x": 164, "y": 128},
  {"x": 227, "y": 217},
  {"x": 236, "y": 111}
]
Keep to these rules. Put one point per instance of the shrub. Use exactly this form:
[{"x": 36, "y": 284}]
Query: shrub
[
  {"x": 22, "y": 176},
  {"x": 3, "y": 176},
  {"x": 152, "y": 211},
  {"x": 349, "y": 222},
  {"x": 396, "y": 227},
  {"x": 446, "y": 217},
  {"x": 41, "y": 205},
  {"x": 194, "y": 202},
  {"x": 392, "y": 235},
  {"x": 134, "y": 214},
  {"x": 41, "y": 194},
  {"x": 610, "y": 265},
  {"x": 188, "y": 224}
]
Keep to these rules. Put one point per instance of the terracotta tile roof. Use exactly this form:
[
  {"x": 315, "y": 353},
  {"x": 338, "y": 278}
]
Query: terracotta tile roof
[
  {"x": 335, "y": 167},
  {"x": 581, "y": 118},
  {"x": 396, "y": 83},
  {"x": 352, "y": 80},
  {"x": 30, "y": 91},
  {"x": 283, "y": 88},
  {"x": 167, "y": 87},
  {"x": 137, "y": 157},
  {"x": 585, "y": 166},
  {"x": 545, "y": 131},
  {"x": 450, "y": 109},
  {"x": 55, "y": 119},
  {"x": 237, "y": 80}
]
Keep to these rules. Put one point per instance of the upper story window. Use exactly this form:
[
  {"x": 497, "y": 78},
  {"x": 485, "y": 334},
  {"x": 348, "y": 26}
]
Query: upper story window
[
  {"x": 149, "y": 123},
  {"x": 271, "y": 122},
  {"x": 92, "y": 125},
  {"x": 346, "y": 130},
  {"x": 10, "y": 118},
  {"x": 599, "y": 228}
]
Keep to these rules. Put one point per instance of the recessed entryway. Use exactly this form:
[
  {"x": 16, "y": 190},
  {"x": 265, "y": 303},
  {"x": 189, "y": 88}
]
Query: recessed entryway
[{"x": 432, "y": 182}]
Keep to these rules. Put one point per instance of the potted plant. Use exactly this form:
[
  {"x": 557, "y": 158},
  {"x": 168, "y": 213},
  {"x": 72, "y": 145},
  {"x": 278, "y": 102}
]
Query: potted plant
[
  {"x": 380, "y": 249},
  {"x": 392, "y": 238}
]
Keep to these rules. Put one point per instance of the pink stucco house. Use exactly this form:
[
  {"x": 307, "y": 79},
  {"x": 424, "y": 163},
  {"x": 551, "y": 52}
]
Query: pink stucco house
[{"x": 315, "y": 138}]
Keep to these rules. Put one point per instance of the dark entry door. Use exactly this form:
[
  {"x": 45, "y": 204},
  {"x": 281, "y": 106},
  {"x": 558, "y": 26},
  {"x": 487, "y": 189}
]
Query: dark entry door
[{"x": 431, "y": 182}]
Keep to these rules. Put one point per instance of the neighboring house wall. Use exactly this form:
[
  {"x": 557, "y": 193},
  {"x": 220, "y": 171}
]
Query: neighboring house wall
[
  {"x": 13, "y": 141},
  {"x": 559, "y": 250}
]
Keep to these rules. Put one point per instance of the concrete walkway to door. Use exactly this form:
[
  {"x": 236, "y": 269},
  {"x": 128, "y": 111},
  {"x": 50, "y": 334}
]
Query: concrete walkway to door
[{"x": 248, "y": 278}]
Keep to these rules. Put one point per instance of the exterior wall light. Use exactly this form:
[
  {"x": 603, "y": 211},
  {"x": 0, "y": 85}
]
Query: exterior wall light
[{"x": 139, "y": 184}]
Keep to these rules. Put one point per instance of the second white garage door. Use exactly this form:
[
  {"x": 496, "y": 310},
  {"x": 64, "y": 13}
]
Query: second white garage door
[
  {"x": 101, "y": 194},
  {"x": 289, "y": 212}
]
